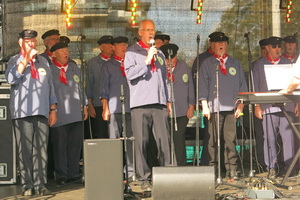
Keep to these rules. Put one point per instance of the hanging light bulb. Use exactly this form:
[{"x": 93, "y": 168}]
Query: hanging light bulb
[
  {"x": 288, "y": 11},
  {"x": 199, "y": 12},
  {"x": 69, "y": 9},
  {"x": 133, "y": 8}
]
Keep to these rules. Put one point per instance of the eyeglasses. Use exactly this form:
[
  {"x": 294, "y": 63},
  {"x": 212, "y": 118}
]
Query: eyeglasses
[
  {"x": 148, "y": 30},
  {"x": 121, "y": 44},
  {"x": 276, "y": 45}
]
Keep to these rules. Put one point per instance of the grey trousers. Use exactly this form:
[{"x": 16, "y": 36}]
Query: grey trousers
[
  {"x": 273, "y": 124},
  {"x": 143, "y": 120},
  {"x": 31, "y": 141},
  {"x": 228, "y": 134}
]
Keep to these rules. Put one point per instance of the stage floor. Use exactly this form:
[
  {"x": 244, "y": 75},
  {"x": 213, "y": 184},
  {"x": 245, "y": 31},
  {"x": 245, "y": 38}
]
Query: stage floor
[{"x": 233, "y": 190}]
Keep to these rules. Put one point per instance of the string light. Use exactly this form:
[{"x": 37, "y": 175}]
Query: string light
[
  {"x": 289, "y": 10},
  {"x": 69, "y": 9},
  {"x": 133, "y": 12},
  {"x": 199, "y": 12}
]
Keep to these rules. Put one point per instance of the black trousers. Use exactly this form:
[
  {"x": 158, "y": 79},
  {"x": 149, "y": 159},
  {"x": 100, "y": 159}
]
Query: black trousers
[
  {"x": 179, "y": 140},
  {"x": 67, "y": 143},
  {"x": 99, "y": 126}
]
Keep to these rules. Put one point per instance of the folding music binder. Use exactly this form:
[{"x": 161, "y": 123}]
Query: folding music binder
[{"x": 279, "y": 76}]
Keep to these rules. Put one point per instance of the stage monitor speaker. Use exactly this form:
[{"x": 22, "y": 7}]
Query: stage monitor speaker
[
  {"x": 7, "y": 140},
  {"x": 103, "y": 169},
  {"x": 188, "y": 183}
]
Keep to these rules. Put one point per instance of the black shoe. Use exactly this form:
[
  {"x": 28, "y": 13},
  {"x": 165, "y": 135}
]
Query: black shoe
[
  {"x": 27, "y": 192},
  {"x": 43, "y": 191},
  {"x": 76, "y": 179},
  {"x": 50, "y": 176},
  {"x": 61, "y": 181}
]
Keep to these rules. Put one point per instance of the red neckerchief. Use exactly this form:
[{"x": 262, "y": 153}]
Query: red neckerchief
[
  {"x": 33, "y": 70},
  {"x": 222, "y": 62},
  {"x": 121, "y": 60},
  {"x": 210, "y": 51},
  {"x": 48, "y": 53},
  {"x": 62, "y": 72},
  {"x": 169, "y": 72},
  {"x": 292, "y": 57},
  {"x": 104, "y": 57},
  {"x": 144, "y": 46},
  {"x": 271, "y": 60}
]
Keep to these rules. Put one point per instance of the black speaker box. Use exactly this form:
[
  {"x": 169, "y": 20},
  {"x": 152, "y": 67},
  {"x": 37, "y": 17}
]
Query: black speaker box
[
  {"x": 188, "y": 183},
  {"x": 7, "y": 140},
  {"x": 103, "y": 169}
]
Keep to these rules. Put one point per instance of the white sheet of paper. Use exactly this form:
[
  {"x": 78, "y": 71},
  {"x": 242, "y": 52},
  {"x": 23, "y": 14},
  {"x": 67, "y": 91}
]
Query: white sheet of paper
[{"x": 279, "y": 76}]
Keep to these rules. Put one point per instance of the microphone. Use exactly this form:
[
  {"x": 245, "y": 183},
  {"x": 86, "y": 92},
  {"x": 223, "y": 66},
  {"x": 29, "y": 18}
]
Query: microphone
[
  {"x": 36, "y": 58},
  {"x": 198, "y": 38},
  {"x": 246, "y": 35},
  {"x": 152, "y": 43},
  {"x": 83, "y": 37}
]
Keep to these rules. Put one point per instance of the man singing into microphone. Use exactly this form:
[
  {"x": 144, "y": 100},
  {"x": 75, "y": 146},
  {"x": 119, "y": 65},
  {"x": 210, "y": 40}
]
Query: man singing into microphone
[
  {"x": 147, "y": 78},
  {"x": 32, "y": 106}
]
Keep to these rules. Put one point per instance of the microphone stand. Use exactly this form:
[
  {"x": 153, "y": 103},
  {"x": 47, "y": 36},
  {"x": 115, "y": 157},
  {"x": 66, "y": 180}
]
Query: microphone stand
[
  {"x": 197, "y": 144},
  {"x": 83, "y": 79},
  {"x": 127, "y": 189},
  {"x": 297, "y": 46},
  {"x": 219, "y": 179},
  {"x": 173, "y": 111},
  {"x": 250, "y": 83}
]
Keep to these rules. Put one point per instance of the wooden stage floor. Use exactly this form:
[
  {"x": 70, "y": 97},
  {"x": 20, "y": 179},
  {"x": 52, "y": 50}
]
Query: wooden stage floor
[{"x": 228, "y": 190}]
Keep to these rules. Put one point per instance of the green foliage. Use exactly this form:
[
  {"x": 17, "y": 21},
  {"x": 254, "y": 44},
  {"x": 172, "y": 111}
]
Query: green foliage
[{"x": 255, "y": 17}]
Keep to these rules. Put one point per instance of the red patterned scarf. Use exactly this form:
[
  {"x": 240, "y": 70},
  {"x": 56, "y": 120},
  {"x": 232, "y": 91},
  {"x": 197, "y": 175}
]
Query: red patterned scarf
[
  {"x": 121, "y": 61},
  {"x": 62, "y": 72},
  {"x": 48, "y": 53},
  {"x": 169, "y": 72},
  {"x": 271, "y": 60},
  {"x": 222, "y": 62},
  {"x": 292, "y": 57},
  {"x": 104, "y": 57},
  {"x": 210, "y": 51}
]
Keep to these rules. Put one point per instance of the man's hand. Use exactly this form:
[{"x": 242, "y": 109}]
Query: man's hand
[
  {"x": 91, "y": 111},
  {"x": 205, "y": 109},
  {"x": 258, "y": 111},
  {"x": 238, "y": 111},
  {"x": 28, "y": 50},
  {"x": 169, "y": 108},
  {"x": 106, "y": 114},
  {"x": 52, "y": 118},
  {"x": 285, "y": 91},
  {"x": 190, "y": 111},
  {"x": 152, "y": 51},
  {"x": 85, "y": 113},
  {"x": 296, "y": 109}
]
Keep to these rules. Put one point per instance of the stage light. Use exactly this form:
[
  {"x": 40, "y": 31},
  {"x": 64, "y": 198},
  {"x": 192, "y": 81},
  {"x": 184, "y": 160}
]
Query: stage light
[
  {"x": 133, "y": 8},
  {"x": 69, "y": 9},
  {"x": 199, "y": 12},
  {"x": 289, "y": 10}
]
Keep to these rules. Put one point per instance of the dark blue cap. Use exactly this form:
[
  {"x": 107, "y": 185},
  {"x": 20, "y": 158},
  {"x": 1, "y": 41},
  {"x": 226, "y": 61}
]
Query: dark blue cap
[{"x": 28, "y": 34}]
